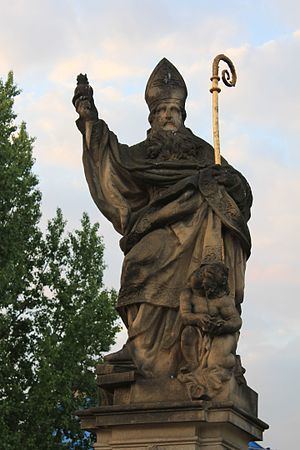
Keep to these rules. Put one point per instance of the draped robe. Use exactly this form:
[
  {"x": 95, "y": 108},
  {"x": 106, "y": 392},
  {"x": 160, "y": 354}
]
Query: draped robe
[{"x": 161, "y": 209}]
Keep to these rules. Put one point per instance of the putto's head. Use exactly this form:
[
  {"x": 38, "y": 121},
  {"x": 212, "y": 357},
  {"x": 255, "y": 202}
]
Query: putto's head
[
  {"x": 165, "y": 95},
  {"x": 211, "y": 279}
]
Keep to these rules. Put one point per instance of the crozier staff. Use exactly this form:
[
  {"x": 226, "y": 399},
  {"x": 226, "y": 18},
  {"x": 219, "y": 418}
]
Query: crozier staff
[
  {"x": 229, "y": 80},
  {"x": 214, "y": 243}
]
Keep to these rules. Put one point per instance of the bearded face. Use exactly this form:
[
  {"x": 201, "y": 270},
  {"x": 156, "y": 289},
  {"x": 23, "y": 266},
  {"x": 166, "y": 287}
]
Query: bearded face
[
  {"x": 168, "y": 138},
  {"x": 167, "y": 117}
]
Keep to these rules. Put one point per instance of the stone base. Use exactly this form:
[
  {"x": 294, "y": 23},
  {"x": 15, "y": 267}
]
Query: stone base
[
  {"x": 196, "y": 425},
  {"x": 129, "y": 388},
  {"x": 158, "y": 414}
]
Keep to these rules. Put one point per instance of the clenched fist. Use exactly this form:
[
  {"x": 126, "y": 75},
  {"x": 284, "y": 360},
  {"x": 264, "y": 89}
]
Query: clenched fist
[{"x": 83, "y": 99}]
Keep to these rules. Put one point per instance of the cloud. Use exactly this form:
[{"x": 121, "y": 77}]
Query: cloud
[
  {"x": 33, "y": 33},
  {"x": 49, "y": 43},
  {"x": 99, "y": 69},
  {"x": 285, "y": 11},
  {"x": 263, "y": 97},
  {"x": 275, "y": 372}
]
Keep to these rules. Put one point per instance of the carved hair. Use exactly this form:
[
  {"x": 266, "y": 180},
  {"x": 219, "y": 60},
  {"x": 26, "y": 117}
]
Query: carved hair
[{"x": 217, "y": 274}]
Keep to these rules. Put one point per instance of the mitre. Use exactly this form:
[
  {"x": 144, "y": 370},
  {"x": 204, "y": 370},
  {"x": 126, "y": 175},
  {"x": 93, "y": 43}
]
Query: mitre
[{"x": 165, "y": 83}]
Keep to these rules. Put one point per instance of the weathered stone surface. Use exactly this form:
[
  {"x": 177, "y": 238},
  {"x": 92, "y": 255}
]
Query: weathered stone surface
[
  {"x": 182, "y": 426},
  {"x": 132, "y": 390},
  {"x": 185, "y": 239},
  {"x": 183, "y": 221},
  {"x": 116, "y": 379}
]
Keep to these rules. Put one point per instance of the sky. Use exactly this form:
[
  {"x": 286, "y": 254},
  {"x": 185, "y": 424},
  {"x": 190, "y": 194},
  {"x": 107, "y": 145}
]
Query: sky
[{"x": 118, "y": 43}]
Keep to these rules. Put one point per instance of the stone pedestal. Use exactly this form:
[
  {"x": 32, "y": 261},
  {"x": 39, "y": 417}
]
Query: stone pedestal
[
  {"x": 196, "y": 425},
  {"x": 158, "y": 414}
]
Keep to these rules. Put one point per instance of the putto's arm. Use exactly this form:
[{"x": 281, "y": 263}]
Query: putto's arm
[
  {"x": 189, "y": 317},
  {"x": 232, "y": 320}
]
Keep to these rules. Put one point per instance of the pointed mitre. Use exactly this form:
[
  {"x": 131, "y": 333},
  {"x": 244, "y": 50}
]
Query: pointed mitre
[{"x": 165, "y": 83}]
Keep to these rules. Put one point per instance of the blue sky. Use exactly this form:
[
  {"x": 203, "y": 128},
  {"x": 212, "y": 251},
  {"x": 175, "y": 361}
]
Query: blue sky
[{"x": 118, "y": 43}]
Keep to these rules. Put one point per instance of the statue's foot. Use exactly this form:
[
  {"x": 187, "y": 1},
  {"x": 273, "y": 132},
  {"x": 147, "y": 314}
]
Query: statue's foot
[{"x": 120, "y": 356}]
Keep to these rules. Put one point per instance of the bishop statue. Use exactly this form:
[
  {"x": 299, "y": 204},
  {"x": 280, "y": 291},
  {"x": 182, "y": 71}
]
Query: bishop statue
[{"x": 184, "y": 235}]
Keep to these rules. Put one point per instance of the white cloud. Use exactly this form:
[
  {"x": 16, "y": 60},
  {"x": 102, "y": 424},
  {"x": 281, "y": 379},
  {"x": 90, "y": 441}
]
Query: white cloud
[
  {"x": 50, "y": 43},
  {"x": 99, "y": 69},
  {"x": 266, "y": 95},
  {"x": 285, "y": 11}
]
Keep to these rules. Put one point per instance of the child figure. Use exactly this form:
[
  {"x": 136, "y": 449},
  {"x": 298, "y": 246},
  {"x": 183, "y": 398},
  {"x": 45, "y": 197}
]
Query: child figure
[{"x": 209, "y": 337}]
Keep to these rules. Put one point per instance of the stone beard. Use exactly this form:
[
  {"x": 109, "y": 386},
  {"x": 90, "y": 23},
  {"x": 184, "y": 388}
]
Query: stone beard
[
  {"x": 171, "y": 145},
  {"x": 177, "y": 213}
]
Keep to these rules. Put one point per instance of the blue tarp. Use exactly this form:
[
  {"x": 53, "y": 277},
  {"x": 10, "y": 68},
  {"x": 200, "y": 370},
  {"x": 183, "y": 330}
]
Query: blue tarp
[{"x": 254, "y": 445}]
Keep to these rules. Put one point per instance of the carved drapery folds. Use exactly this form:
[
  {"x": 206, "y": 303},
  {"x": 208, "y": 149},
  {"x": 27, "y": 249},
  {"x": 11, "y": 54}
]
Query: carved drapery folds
[{"x": 185, "y": 240}]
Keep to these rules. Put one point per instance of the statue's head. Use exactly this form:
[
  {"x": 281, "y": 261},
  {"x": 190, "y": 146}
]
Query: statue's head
[
  {"x": 165, "y": 96},
  {"x": 211, "y": 279},
  {"x": 166, "y": 116}
]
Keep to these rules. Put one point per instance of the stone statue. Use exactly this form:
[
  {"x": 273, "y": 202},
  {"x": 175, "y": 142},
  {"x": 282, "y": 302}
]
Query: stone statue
[{"x": 185, "y": 239}]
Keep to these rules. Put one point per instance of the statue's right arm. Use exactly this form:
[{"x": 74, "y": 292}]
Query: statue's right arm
[
  {"x": 88, "y": 114},
  {"x": 101, "y": 152},
  {"x": 95, "y": 131}
]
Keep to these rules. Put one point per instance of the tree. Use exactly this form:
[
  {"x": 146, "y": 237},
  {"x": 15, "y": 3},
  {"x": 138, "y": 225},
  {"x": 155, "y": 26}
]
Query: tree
[
  {"x": 56, "y": 319},
  {"x": 19, "y": 234}
]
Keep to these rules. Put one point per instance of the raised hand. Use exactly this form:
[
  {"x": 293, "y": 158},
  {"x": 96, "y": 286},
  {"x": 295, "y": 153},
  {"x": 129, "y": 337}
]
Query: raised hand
[{"x": 83, "y": 99}]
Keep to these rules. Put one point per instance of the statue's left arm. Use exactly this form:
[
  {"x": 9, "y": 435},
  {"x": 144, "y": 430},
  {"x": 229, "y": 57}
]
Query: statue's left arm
[{"x": 237, "y": 187}]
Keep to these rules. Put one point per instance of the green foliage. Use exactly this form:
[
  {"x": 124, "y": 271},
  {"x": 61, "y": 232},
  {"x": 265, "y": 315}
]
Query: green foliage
[
  {"x": 19, "y": 233},
  {"x": 56, "y": 319}
]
